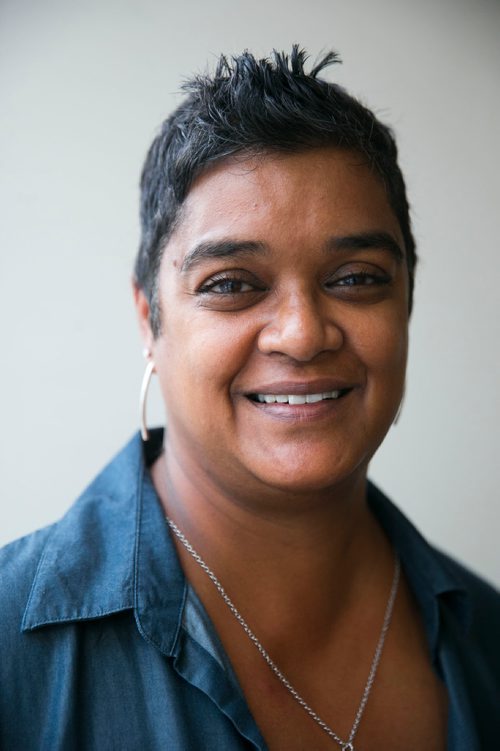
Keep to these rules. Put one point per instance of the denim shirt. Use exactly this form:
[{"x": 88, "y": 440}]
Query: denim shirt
[{"x": 104, "y": 645}]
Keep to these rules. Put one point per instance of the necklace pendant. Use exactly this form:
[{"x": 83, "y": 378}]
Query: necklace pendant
[{"x": 348, "y": 747}]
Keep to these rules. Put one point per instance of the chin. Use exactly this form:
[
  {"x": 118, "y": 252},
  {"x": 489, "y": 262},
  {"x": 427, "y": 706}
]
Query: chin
[{"x": 307, "y": 475}]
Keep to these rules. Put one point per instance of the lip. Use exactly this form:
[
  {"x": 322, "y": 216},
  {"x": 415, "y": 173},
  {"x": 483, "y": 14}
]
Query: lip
[
  {"x": 302, "y": 388},
  {"x": 302, "y": 414}
]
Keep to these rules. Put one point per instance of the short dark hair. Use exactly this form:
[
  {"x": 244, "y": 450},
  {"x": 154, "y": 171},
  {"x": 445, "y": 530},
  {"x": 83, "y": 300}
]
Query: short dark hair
[{"x": 256, "y": 106}]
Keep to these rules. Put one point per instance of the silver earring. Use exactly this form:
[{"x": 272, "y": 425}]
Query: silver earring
[
  {"x": 146, "y": 380},
  {"x": 400, "y": 408}
]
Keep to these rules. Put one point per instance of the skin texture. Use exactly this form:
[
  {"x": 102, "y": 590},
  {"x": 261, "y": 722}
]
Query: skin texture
[
  {"x": 292, "y": 321},
  {"x": 287, "y": 275}
]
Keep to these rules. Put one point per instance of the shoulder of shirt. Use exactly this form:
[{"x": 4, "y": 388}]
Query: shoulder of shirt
[
  {"x": 480, "y": 646},
  {"x": 474, "y": 582},
  {"x": 89, "y": 548},
  {"x": 20, "y": 558},
  {"x": 19, "y": 561},
  {"x": 474, "y": 602},
  {"x": 484, "y": 595}
]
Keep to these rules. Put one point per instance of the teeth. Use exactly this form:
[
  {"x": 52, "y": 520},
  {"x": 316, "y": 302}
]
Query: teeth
[
  {"x": 311, "y": 398},
  {"x": 297, "y": 398}
]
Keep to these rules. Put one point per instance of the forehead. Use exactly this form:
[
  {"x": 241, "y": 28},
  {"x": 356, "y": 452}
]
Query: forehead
[{"x": 278, "y": 198}]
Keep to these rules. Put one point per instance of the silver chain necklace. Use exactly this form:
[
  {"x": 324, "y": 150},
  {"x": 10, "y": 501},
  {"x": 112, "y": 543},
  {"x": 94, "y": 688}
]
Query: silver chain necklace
[{"x": 344, "y": 745}]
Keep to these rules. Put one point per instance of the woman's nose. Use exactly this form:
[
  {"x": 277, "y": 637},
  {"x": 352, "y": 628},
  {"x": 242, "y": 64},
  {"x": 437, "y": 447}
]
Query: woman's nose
[{"x": 302, "y": 326}]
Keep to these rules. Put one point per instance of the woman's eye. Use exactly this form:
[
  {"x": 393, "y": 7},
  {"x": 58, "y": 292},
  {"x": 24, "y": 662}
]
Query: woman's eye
[
  {"x": 227, "y": 287},
  {"x": 361, "y": 278},
  {"x": 361, "y": 284},
  {"x": 230, "y": 291}
]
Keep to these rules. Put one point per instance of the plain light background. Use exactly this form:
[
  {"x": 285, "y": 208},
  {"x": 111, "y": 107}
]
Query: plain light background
[{"x": 83, "y": 88}]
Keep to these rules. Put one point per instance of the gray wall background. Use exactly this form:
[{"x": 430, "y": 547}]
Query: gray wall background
[{"x": 83, "y": 87}]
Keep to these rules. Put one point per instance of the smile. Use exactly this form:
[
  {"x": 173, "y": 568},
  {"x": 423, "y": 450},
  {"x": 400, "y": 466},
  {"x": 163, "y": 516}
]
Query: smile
[{"x": 297, "y": 398}]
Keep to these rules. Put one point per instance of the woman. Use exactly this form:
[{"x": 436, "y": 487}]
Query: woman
[{"x": 235, "y": 582}]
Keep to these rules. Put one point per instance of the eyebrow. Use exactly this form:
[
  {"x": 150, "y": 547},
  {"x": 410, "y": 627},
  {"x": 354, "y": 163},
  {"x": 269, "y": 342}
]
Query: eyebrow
[
  {"x": 228, "y": 248},
  {"x": 368, "y": 240},
  {"x": 220, "y": 249}
]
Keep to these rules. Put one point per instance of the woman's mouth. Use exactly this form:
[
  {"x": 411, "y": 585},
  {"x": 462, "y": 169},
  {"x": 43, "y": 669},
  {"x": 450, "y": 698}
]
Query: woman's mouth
[{"x": 295, "y": 399}]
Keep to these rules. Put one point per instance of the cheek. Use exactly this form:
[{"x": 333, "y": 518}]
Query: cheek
[
  {"x": 381, "y": 342},
  {"x": 204, "y": 351}
]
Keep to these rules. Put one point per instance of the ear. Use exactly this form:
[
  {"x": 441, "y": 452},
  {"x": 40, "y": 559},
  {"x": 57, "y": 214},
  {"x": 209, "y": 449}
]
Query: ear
[{"x": 143, "y": 315}]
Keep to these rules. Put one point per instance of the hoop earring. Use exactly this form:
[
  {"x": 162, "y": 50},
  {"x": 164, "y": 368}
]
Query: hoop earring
[
  {"x": 146, "y": 380},
  {"x": 400, "y": 408}
]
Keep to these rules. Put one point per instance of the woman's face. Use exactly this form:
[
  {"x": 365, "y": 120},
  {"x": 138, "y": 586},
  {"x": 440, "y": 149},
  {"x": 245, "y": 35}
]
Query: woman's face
[{"x": 284, "y": 299}]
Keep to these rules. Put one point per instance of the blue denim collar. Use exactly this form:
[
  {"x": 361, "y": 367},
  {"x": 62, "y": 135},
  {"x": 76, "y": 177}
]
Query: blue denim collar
[
  {"x": 112, "y": 552},
  {"x": 434, "y": 579}
]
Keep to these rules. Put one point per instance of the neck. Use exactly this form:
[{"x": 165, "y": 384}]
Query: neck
[{"x": 317, "y": 549}]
